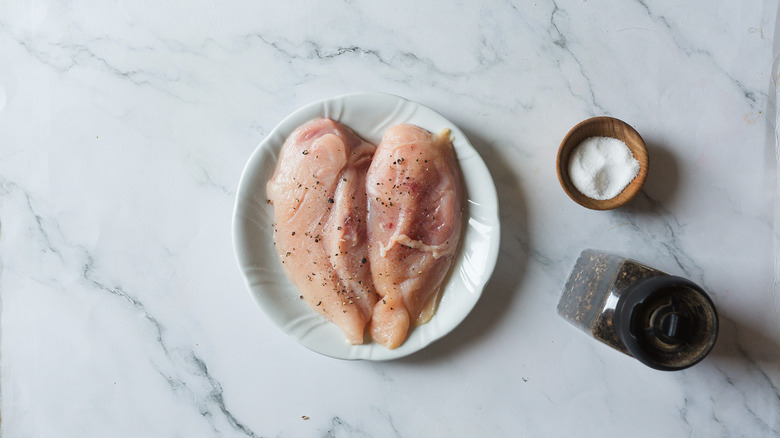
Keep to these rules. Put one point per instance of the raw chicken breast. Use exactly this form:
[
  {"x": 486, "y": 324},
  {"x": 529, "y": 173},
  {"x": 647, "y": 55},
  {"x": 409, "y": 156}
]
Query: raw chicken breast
[
  {"x": 319, "y": 198},
  {"x": 414, "y": 222}
]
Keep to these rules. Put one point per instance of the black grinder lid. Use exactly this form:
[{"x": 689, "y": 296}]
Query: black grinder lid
[{"x": 666, "y": 322}]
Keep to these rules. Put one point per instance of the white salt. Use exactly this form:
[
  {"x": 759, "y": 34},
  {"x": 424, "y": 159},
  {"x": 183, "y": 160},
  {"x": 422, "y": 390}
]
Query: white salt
[{"x": 601, "y": 167}]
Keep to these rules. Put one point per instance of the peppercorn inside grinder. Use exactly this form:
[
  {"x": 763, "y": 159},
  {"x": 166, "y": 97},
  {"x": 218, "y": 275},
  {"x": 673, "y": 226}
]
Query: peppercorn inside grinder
[{"x": 666, "y": 322}]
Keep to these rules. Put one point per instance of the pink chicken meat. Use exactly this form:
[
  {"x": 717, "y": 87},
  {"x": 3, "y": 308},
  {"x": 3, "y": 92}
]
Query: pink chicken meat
[
  {"x": 319, "y": 198},
  {"x": 414, "y": 222}
]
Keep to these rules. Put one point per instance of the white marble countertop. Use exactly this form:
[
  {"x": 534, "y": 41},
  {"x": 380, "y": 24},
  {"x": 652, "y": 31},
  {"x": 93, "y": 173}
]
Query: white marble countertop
[{"x": 124, "y": 129}]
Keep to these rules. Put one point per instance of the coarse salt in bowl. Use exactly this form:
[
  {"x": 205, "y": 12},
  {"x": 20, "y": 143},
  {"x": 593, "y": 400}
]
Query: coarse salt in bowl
[
  {"x": 601, "y": 167},
  {"x": 611, "y": 128}
]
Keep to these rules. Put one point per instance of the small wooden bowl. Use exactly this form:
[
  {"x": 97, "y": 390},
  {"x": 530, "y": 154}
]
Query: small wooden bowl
[{"x": 602, "y": 127}]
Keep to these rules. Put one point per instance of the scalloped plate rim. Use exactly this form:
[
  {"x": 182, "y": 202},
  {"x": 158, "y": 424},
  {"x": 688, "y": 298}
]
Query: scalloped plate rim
[{"x": 480, "y": 239}]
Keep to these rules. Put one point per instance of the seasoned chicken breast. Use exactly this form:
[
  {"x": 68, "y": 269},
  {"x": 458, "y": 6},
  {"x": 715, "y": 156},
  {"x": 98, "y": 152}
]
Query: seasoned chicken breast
[
  {"x": 319, "y": 198},
  {"x": 414, "y": 222}
]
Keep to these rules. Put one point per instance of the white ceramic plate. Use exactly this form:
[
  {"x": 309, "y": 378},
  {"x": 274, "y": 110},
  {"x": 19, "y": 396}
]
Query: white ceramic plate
[{"x": 369, "y": 115}]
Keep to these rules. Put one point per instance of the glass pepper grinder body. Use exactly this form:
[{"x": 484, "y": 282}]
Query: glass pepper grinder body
[{"x": 666, "y": 322}]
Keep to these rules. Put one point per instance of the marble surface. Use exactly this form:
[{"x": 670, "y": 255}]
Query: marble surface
[{"x": 124, "y": 128}]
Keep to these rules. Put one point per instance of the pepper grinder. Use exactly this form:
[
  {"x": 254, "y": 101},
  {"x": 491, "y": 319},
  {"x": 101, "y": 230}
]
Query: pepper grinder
[{"x": 666, "y": 322}]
